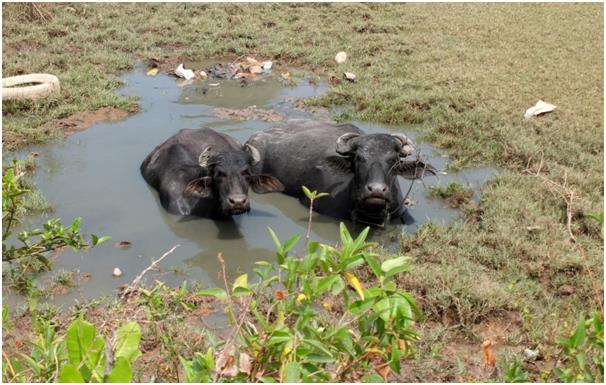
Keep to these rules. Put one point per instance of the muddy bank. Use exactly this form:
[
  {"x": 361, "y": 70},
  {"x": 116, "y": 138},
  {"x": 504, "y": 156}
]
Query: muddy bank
[{"x": 83, "y": 120}]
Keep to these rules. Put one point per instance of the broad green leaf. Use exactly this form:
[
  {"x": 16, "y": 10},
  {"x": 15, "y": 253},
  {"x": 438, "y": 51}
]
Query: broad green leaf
[
  {"x": 69, "y": 373},
  {"x": 308, "y": 193},
  {"x": 413, "y": 305},
  {"x": 292, "y": 372},
  {"x": 290, "y": 243},
  {"x": 313, "y": 246},
  {"x": 325, "y": 284},
  {"x": 279, "y": 337},
  {"x": 394, "y": 263},
  {"x": 351, "y": 262},
  {"x": 359, "y": 307},
  {"x": 579, "y": 335},
  {"x": 361, "y": 238},
  {"x": 395, "y": 356},
  {"x": 383, "y": 309},
  {"x": 338, "y": 286},
  {"x": 318, "y": 345},
  {"x": 240, "y": 291},
  {"x": 374, "y": 264},
  {"x": 213, "y": 292},
  {"x": 274, "y": 237},
  {"x": 127, "y": 346},
  {"x": 83, "y": 344},
  {"x": 97, "y": 241},
  {"x": 372, "y": 378},
  {"x": 241, "y": 281},
  {"x": 345, "y": 237},
  {"x": 121, "y": 372}
]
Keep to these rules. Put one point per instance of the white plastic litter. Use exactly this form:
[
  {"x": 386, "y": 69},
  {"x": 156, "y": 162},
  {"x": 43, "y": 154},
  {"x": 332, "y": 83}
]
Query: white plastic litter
[
  {"x": 117, "y": 272},
  {"x": 350, "y": 76},
  {"x": 184, "y": 73},
  {"x": 531, "y": 354},
  {"x": 341, "y": 57},
  {"x": 267, "y": 65},
  {"x": 540, "y": 108}
]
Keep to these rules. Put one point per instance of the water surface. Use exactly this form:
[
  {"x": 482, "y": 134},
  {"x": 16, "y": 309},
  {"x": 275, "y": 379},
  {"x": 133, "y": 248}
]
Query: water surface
[{"x": 95, "y": 175}]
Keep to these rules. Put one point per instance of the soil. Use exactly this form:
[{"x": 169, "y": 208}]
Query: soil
[{"x": 83, "y": 120}]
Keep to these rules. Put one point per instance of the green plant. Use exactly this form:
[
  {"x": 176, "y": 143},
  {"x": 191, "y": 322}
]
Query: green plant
[
  {"x": 77, "y": 357},
  {"x": 584, "y": 352},
  {"x": 31, "y": 256},
  {"x": 454, "y": 193},
  {"x": 86, "y": 354},
  {"x": 515, "y": 374},
  {"x": 300, "y": 322}
]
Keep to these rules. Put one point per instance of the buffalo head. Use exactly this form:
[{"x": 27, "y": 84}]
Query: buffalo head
[
  {"x": 228, "y": 175},
  {"x": 375, "y": 160}
]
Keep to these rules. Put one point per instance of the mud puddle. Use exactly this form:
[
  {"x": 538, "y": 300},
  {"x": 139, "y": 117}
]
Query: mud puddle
[{"x": 95, "y": 175}]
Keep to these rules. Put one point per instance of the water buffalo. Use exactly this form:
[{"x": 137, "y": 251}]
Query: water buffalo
[
  {"x": 205, "y": 173},
  {"x": 358, "y": 170}
]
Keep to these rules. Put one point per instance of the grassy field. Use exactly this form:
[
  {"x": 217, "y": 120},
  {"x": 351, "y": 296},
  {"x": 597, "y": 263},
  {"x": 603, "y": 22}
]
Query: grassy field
[{"x": 527, "y": 260}]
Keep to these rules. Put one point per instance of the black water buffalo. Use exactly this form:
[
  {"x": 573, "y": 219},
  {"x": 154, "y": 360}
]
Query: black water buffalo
[
  {"x": 358, "y": 170},
  {"x": 205, "y": 173}
]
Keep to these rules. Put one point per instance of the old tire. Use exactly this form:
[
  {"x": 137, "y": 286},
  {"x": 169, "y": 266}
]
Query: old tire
[{"x": 49, "y": 84}]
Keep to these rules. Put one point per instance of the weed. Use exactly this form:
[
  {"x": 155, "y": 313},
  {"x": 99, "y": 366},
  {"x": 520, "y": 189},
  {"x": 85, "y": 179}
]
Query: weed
[{"x": 454, "y": 193}]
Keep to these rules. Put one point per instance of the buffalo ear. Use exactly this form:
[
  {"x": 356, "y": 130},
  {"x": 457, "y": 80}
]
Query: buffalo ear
[
  {"x": 199, "y": 187},
  {"x": 338, "y": 164},
  {"x": 415, "y": 169},
  {"x": 263, "y": 183}
]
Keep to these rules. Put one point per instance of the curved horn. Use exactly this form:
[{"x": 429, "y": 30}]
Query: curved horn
[
  {"x": 407, "y": 147},
  {"x": 343, "y": 145},
  {"x": 204, "y": 157},
  {"x": 254, "y": 153}
]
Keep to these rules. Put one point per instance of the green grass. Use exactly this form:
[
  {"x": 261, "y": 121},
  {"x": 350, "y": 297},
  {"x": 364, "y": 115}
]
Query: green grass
[{"x": 464, "y": 73}]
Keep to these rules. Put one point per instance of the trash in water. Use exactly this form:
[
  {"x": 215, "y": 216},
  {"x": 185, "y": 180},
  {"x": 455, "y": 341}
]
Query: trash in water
[
  {"x": 123, "y": 244},
  {"x": 184, "y": 73},
  {"x": 285, "y": 75},
  {"x": 341, "y": 57},
  {"x": 350, "y": 76},
  {"x": 213, "y": 84},
  {"x": 538, "y": 109},
  {"x": 241, "y": 69},
  {"x": 117, "y": 272},
  {"x": 203, "y": 75},
  {"x": 153, "y": 72}
]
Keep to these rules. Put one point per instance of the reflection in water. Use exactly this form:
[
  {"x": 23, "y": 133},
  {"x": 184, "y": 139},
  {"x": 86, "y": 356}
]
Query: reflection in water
[{"x": 95, "y": 175}]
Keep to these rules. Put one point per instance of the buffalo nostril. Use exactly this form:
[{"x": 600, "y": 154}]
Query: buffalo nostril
[
  {"x": 376, "y": 188},
  {"x": 237, "y": 199}
]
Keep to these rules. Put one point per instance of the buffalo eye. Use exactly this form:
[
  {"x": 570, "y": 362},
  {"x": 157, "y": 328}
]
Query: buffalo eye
[{"x": 246, "y": 172}]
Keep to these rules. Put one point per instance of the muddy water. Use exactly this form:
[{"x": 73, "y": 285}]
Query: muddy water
[{"x": 95, "y": 175}]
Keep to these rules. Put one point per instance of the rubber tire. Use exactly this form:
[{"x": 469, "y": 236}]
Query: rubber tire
[{"x": 49, "y": 85}]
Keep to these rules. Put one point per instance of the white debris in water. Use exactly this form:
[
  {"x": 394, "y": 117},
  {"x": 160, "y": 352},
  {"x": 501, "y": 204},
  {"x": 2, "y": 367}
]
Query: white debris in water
[
  {"x": 540, "y": 108},
  {"x": 184, "y": 73},
  {"x": 341, "y": 57},
  {"x": 117, "y": 272},
  {"x": 267, "y": 65}
]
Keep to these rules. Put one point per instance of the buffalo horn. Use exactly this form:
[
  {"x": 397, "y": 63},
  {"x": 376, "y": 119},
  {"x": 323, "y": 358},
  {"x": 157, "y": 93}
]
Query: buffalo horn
[
  {"x": 407, "y": 145},
  {"x": 204, "y": 157},
  {"x": 254, "y": 153},
  {"x": 343, "y": 147}
]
